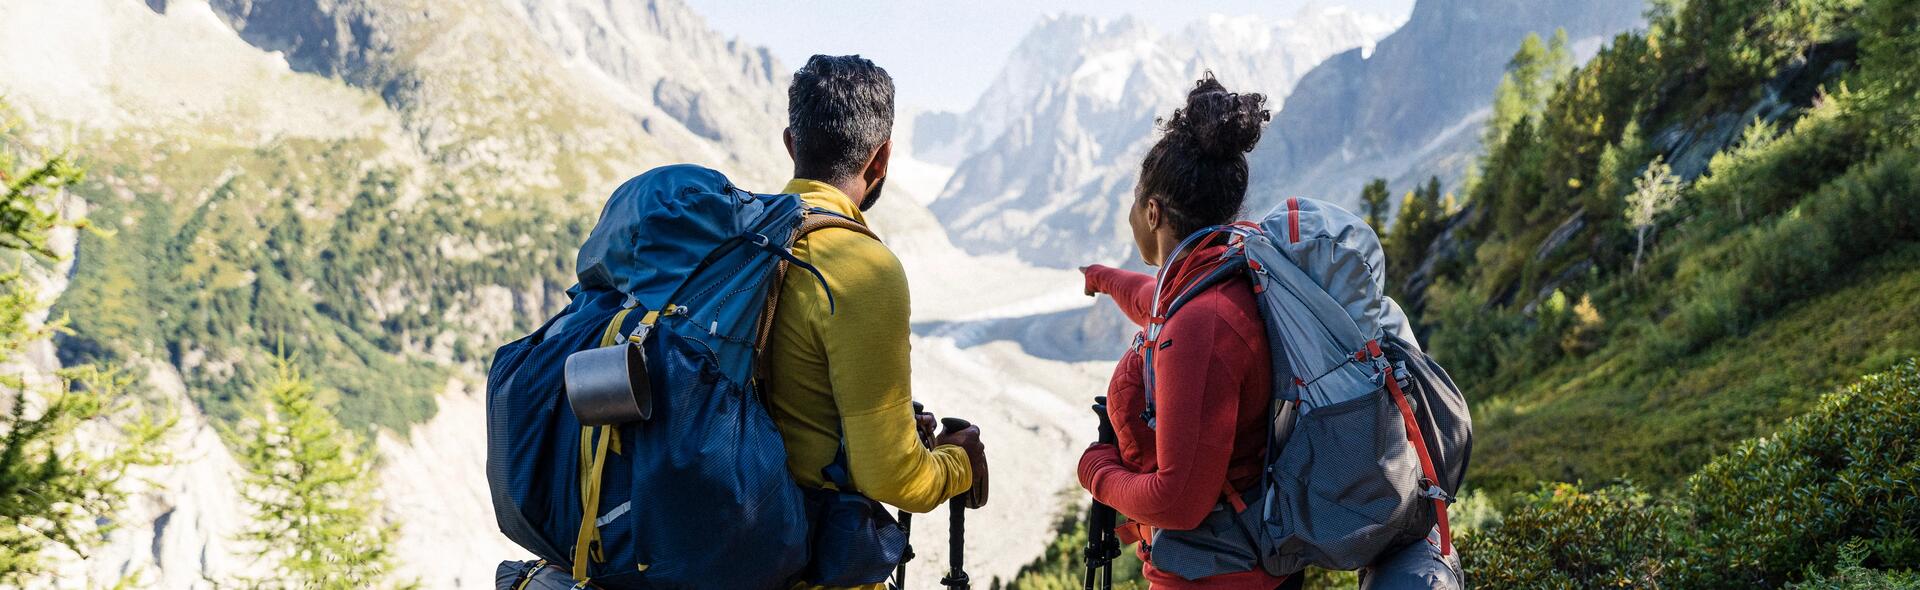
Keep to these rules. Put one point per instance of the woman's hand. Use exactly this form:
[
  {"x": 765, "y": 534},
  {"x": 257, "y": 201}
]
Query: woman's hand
[
  {"x": 1086, "y": 273},
  {"x": 1097, "y": 458}
]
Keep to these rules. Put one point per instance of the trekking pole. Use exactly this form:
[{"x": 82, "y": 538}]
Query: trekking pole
[
  {"x": 957, "y": 526},
  {"x": 906, "y": 518},
  {"x": 1102, "y": 547}
]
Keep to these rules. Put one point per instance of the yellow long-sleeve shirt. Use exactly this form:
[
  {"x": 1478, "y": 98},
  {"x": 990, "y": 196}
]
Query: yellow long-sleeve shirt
[{"x": 845, "y": 374}]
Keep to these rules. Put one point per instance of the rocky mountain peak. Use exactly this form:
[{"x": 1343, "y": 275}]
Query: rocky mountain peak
[{"x": 1046, "y": 157}]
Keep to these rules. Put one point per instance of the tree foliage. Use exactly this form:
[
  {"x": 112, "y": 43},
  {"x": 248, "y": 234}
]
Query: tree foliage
[
  {"x": 1421, "y": 218},
  {"x": 316, "y": 518},
  {"x": 1691, "y": 183},
  {"x": 1655, "y": 193},
  {"x": 1530, "y": 75},
  {"x": 1373, "y": 200},
  {"x": 66, "y": 444}
]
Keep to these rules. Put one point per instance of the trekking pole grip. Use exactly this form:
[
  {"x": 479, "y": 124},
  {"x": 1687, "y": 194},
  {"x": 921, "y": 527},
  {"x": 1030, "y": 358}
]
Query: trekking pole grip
[
  {"x": 957, "y": 578},
  {"x": 1102, "y": 547},
  {"x": 1106, "y": 423}
]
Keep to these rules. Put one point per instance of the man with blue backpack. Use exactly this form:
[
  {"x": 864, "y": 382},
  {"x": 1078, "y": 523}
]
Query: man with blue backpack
[
  {"x": 725, "y": 401},
  {"x": 838, "y": 367}
]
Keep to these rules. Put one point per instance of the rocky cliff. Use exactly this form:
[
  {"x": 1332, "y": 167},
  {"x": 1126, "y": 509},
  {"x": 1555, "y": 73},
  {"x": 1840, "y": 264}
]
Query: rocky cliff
[
  {"x": 463, "y": 146},
  {"x": 1416, "y": 106},
  {"x": 1049, "y": 154}
]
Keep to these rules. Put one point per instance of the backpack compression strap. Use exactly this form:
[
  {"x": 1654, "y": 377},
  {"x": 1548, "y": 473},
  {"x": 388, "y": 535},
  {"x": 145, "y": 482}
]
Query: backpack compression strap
[
  {"x": 811, "y": 221},
  {"x": 1209, "y": 272},
  {"x": 593, "y": 461},
  {"x": 1430, "y": 478}
]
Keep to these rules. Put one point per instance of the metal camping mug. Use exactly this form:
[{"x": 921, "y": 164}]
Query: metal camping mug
[{"x": 609, "y": 385}]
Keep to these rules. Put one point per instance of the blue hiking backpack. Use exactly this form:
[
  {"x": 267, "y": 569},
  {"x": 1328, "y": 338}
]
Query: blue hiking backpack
[
  {"x": 1369, "y": 439},
  {"x": 686, "y": 267}
]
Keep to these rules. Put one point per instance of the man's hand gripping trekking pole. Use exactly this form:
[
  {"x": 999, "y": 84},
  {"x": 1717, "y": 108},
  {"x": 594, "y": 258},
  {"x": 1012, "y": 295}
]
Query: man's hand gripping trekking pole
[{"x": 1102, "y": 547}]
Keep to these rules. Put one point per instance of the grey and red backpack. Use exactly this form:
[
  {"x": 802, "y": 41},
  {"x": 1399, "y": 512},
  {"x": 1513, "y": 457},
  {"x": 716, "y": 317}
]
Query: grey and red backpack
[{"x": 1370, "y": 437}]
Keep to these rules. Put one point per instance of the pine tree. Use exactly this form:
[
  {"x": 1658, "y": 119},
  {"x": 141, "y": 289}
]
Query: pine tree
[
  {"x": 1373, "y": 199},
  {"x": 1530, "y": 77},
  {"x": 57, "y": 492},
  {"x": 1420, "y": 220},
  {"x": 309, "y": 485}
]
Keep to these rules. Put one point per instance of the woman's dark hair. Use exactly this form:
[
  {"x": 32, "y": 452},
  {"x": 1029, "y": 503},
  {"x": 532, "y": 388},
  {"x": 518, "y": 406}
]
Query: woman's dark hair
[{"x": 1198, "y": 170}]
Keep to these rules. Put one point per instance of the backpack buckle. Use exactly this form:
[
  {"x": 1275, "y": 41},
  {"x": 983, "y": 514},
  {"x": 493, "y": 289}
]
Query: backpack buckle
[{"x": 1434, "y": 492}]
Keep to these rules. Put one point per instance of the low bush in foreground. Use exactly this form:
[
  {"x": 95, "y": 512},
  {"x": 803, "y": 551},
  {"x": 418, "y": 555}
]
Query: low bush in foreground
[
  {"x": 1564, "y": 537},
  {"x": 1831, "y": 501}
]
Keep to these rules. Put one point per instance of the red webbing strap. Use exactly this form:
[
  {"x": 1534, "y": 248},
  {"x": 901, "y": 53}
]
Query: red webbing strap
[
  {"x": 1426, "y": 461},
  {"x": 1293, "y": 219},
  {"x": 1233, "y": 497}
]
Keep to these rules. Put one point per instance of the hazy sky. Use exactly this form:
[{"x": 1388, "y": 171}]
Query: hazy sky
[{"x": 943, "y": 54}]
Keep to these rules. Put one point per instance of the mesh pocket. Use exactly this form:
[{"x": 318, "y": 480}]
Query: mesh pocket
[
  {"x": 855, "y": 541},
  {"x": 1223, "y": 544},
  {"x": 1346, "y": 487}
]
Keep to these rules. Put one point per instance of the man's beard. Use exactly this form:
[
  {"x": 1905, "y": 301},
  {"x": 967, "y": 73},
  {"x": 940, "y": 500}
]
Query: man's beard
[{"x": 873, "y": 195}]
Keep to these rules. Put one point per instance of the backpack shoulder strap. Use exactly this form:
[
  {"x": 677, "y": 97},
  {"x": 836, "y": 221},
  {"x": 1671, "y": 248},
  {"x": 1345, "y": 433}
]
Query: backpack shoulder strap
[{"x": 812, "y": 220}]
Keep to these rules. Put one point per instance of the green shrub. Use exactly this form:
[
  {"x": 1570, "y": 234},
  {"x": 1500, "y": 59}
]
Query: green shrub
[
  {"x": 1471, "y": 344},
  {"x": 1563, "y": 537},
  {"x": 1848, "y": 469},
  {"x": 1832, "y": 496},
  {"x": 1061, "y": 567},
  {"x": 1764, "y": 175},
  {"x": 1862, "y": 213},
  {"x": 1850, "y": 575}
]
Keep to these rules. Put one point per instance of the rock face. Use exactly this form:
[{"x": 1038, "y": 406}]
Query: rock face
[
  {"x": 468, "y": 78},
  {"x": 545, "y": 101},
  {"x": 499, "y": 106},
  {"x": 1049, "y": 154},
  {"x": 720, "y": 90},
  {"x": 184, "y": 528},
  {"x": 1416, "y": 106}
]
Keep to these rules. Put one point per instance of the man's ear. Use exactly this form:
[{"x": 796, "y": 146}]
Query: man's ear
[
  {"x": 786, "y": 137},
  {"x": 1152, "y": 208},
  {"x": 877, "y": 167}
]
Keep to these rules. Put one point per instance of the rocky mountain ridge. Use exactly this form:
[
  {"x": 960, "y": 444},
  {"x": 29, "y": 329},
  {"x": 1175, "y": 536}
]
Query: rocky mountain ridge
[
  {"x": 262, "y": 166},
  {"x": 1415, "y": 107},
  {"x": 1047, "y": 156}
]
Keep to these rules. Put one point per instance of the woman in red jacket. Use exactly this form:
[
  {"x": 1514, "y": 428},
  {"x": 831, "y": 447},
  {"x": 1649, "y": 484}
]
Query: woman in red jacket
[{"x": 1212, "y": 376}]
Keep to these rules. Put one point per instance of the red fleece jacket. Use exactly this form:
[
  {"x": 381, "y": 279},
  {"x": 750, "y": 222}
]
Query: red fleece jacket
[{"x": 1213, "y": 378}]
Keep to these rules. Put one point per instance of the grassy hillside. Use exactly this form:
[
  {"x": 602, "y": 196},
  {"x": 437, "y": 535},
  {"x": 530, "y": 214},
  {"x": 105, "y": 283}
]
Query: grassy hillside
[
  {"x": 1692, "y": 236},
  {"x": 382, "y": 191},
  {"x": 1669, "y": 249},
  {"x": 1832, "y": 500},
  {"x": 1785, "y": 263},
  {"x": 217, "y": 259},
  {"x": 1613, "y": 414}
]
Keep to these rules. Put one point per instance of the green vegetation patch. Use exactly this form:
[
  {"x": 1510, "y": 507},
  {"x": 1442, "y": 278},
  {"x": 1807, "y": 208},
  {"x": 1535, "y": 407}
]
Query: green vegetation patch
[
  {"x": 1831, "y": 500},
  {"x": 1694, "y": 301},
  {"x": 372, "y": 284},
  {"x": 1618, "y": 414}
]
